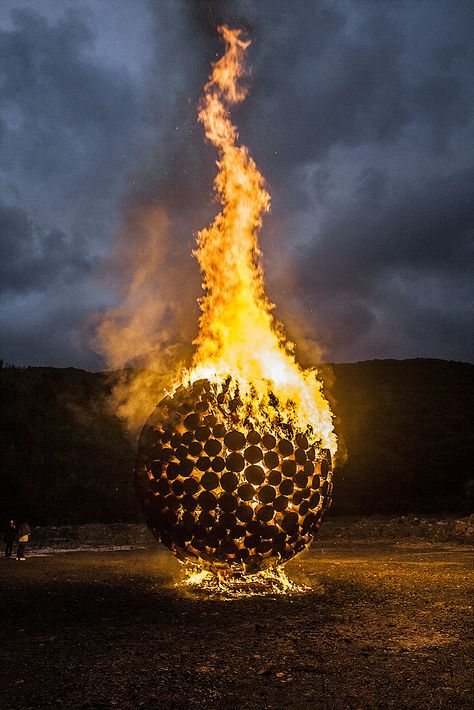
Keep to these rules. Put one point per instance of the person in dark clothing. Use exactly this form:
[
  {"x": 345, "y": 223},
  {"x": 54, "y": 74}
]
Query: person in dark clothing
[
  {"x": 24, "y": 533},
  {"x": 9, "y": 538}
]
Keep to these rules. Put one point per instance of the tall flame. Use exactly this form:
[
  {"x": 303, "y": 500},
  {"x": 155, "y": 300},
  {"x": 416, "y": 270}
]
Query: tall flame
[{"x": 238, "y": 337}]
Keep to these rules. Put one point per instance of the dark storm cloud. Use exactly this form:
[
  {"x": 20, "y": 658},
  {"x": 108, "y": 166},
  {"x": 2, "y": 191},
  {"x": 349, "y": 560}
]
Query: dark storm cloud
[
  {"x": 66, "y": 114},
  {"x": 396, "y": 273},
  {"x": 42, "y": 330},
  {"x": 336, "y": 73},
  {"x": 33, "y": 260},
  {"x": 43, "y": 277},
  {"x": 428, "y": 228},
  {"x": 67, "y": 124},
  {"x": 324, "y": 84},
  {"x": 359, "y": 115},
  {"x": 207, "y": 15}
]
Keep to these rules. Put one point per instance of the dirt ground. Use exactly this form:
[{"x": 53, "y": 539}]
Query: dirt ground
[{"x": 381, "y": 626}]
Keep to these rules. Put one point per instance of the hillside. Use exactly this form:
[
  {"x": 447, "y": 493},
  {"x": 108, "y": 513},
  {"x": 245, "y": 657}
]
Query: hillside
[
  {"x": 406, "y": 427},
  {"x": 64, "y": 456}
]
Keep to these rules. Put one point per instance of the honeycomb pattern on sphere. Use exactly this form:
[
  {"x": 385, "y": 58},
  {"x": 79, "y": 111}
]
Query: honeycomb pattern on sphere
[{"x": 225, "y": 494}]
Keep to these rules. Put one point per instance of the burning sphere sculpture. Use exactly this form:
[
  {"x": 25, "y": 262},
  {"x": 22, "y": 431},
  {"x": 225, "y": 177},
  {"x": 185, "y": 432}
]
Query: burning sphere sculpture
[
  {"x": 234, "y": 468},
  {"x": 227, "y": 494}
]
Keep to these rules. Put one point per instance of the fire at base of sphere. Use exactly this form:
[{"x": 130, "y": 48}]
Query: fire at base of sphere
[{"x": 229, "y": 494}]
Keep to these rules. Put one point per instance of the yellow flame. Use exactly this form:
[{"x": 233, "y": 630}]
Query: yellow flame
[
  {"x": 238, "y": 335},
  {"x": 267, "y": 582}
]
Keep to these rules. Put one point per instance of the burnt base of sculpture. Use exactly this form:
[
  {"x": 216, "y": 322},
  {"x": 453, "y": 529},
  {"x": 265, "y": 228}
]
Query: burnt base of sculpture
[{"x": 224, "y": 491}]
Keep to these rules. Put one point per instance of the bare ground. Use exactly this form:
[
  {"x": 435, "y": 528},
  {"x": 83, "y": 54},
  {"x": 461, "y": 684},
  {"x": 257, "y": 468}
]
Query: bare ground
[{"x": 382, "y": 626}]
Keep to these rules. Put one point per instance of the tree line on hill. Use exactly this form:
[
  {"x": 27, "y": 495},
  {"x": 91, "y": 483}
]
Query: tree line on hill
[{"x": 405, "y": 429}]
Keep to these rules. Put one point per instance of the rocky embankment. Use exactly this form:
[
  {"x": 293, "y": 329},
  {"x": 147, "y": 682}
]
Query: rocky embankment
[
  {"x": 406, "y": 528},
  {"x": 121, "y": 536}
]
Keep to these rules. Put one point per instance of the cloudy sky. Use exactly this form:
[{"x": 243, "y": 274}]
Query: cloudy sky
[{"x": 359, "y": 115}]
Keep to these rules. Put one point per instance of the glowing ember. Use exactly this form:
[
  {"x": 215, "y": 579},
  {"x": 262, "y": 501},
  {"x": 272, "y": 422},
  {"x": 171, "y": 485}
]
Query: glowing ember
[
  {"x": 234, "y": 467},
  {"x": 272, "y": 581}
]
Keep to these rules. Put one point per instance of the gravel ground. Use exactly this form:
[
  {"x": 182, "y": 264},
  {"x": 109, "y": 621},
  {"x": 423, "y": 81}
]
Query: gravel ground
[{"x": 381, "y": 626}]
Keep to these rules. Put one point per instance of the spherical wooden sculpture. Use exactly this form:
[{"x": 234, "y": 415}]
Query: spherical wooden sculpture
[{"x": 224, "y": 492}]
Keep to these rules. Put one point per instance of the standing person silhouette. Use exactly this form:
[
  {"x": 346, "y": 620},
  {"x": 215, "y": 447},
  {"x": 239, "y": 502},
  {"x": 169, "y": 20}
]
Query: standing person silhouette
[
  {"x": 9, "y": 538},
  {"x": 24, "y": 532}
]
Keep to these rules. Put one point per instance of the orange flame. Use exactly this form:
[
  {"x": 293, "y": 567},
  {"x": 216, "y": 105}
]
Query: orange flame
[{"x": 238, "y": 335}]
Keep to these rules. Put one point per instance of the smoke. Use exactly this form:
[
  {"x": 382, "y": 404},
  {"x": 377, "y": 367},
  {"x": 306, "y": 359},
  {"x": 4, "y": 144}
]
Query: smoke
[
  {"x": 148, "y": 335},
  {"x": 208, "y": 15},
  {"x": 146, "y": 338}
]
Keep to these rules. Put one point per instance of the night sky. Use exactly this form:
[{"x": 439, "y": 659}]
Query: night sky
[{"x": 359, "y": 115}]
